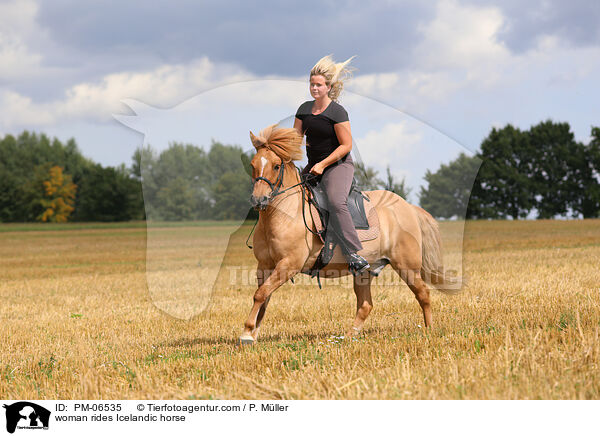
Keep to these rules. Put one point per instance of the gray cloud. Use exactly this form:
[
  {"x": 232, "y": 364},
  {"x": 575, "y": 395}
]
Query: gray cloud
[
  {"x": 275, "y": 38},
  {"x": 85, "y": 41},
  {"x": 88, "y": 40},
  {"x": 574, "y": 22}
]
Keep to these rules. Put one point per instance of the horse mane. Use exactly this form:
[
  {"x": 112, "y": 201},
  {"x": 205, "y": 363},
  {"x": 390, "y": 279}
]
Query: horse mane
[{"x": 284, "y": 142}]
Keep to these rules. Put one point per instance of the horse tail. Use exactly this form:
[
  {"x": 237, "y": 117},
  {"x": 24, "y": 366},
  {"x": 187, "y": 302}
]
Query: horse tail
[{"x": 432, "y": 268}]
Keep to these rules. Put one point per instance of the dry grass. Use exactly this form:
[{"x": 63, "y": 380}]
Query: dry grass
[{"x": 79, "y": 322}]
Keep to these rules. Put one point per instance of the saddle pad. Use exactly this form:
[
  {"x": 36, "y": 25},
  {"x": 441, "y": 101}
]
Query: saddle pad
[{"x": 363, "y": 235}]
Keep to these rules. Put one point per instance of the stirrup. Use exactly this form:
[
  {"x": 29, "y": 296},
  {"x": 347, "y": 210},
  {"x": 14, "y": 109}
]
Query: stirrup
[{"x": 357, "y": 264}]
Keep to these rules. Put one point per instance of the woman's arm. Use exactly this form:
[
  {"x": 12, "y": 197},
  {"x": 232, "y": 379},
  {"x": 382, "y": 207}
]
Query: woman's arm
[
  {"x": 298, "y": 126},
  {"x": 344, "y": 136}
]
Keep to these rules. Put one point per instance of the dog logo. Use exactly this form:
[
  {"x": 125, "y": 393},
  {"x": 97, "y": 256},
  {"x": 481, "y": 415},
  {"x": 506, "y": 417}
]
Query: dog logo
[{"x": 26, "y": 415}]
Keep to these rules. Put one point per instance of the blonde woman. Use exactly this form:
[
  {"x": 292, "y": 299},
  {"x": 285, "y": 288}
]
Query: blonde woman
[{"x": 328, "y": 144}]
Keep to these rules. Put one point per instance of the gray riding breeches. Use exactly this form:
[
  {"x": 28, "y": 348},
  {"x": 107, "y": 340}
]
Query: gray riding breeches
[{"x": 337, "y": 181}]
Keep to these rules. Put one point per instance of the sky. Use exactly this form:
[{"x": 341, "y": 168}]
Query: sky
[{"x": 431, "y": 78}]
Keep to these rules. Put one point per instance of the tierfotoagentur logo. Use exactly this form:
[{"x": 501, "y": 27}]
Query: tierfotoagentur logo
[{"x": 26, "y": 415}]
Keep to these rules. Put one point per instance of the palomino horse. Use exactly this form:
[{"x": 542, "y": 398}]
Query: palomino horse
[{"x": 409, "y": 237}]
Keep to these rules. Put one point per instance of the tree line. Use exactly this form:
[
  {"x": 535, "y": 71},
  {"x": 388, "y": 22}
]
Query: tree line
[
  {"x": 542, "y": 172},
  {"x": 185, "y": 182},
  {"x": 45, "y": 180}
]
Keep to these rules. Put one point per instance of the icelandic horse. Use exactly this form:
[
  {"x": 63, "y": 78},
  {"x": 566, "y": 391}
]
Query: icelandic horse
[{"x": 409, "y": 237}]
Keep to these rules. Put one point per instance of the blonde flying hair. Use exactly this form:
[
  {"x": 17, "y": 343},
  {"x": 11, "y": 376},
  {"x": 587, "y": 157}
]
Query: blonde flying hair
[{"x": 334, "y": 74}]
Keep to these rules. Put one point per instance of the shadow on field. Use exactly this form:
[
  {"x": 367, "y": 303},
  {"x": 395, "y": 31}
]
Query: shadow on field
[{"x": 277, "y": 338}]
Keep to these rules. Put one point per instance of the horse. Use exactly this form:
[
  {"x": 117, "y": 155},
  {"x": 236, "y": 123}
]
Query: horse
[{"x": 284, "y": 244}]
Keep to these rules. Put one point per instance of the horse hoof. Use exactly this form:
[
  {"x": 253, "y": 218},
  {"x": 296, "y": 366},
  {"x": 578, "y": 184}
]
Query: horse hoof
[{"x": 246, "y": 340}]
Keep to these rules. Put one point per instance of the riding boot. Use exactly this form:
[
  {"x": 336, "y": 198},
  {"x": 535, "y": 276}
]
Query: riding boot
[{"x": 357, "y": 264}]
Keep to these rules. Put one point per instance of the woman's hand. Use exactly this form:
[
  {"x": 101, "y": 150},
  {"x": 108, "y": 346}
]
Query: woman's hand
[{"x": 317, "y": 169}]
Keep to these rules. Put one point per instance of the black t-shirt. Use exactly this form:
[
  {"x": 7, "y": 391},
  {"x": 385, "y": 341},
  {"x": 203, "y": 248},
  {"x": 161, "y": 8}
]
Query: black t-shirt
[{"x": 321, "y": 139}]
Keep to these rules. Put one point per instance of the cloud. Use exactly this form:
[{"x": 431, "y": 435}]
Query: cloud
[
  {"x": 169, "y": 85},
  {"x": 265, "y": 40},
  {"x": 393, "y": 139},
  {"x": 462, "y": 53},
  {"x": 165, "y": 85},
  {"x": 16, "y": 60},
  {"x": 17, "y": 22},
  {"x": 575, "y": 23},
  {"x": 412, "y": 91},
  {"x": 17, "y": 17},
  {"x": 458, "y": 49},
  {"x": 397, "y": 143},
  {"x": 450, "y": 63},
  {"x": 462, "y": 37},
  {"x": 18, "y": 110}
]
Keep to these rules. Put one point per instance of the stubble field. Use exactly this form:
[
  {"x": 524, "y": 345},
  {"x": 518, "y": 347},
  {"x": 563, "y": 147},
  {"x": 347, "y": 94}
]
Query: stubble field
[{"x": 79, "y": 322}]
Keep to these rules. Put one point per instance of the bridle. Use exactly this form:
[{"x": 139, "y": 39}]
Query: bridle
[
  {"x": 278, "y": 182},
  {"x": 275, "y": 192},
  {"x": 274, "y": 186}
]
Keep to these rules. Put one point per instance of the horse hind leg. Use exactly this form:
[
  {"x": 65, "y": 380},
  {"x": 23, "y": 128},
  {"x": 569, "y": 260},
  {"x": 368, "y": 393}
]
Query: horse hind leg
[
  {"x": 418, "y": 286},
  {"x": 364, "y": 303},
  {"x": 421, "y": 291}
]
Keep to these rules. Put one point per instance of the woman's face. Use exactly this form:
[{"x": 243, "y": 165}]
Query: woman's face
[{"x": 318, "y": 87}]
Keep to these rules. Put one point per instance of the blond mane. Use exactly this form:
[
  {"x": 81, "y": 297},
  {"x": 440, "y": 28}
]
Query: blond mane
[{"x": 284, "y": 142}]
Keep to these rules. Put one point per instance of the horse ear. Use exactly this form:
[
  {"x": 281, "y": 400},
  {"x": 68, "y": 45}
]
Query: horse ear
[{"x": 255, "y": 141}]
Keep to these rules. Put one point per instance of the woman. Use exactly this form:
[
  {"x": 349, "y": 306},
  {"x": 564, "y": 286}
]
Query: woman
[{"x": 328, "y": 143}]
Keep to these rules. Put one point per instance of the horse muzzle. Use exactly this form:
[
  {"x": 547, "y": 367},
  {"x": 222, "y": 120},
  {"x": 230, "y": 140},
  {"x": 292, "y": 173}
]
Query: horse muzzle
[{"x": 260, "y": 203}]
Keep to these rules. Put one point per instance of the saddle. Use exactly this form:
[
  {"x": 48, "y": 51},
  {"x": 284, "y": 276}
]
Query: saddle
[
  {"x": 318, "y": 199},
  {"x": 364, "y": 218}
]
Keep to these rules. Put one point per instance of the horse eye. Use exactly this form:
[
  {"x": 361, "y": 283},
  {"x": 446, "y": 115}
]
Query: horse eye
[{"x": 276, "y": 167}]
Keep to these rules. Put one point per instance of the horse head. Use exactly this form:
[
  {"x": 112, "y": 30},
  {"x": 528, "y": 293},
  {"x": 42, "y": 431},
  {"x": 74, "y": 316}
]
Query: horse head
[{"x": 274, "y": 149}]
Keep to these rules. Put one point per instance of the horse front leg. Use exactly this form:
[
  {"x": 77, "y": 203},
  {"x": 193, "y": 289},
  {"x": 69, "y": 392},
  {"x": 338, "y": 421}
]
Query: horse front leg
[
  {"x": 283, "y": 271},
  {"x": 261, "y": 314},
  {"x": 262, "y": 274},
  {"x": 364, "y": 303}
]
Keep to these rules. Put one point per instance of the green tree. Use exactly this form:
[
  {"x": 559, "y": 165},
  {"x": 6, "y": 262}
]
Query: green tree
[
  {"x": 449, "y": 188},
  {"x": 588, "y": 201},
  {"x": 503, "y": 187},
  {"x": 542, "y": 170},
  {"x": 391, "y": 184},
  {"x": 24, "y": 163},
  {"x": 108, "y": 194},
  {"x": 177, "y": 201},
  {"x": 174, "y": 182},
  {"x": 366, "y": 177},
  {"x": 184, "y": 182},
  {"x": 232, "y": 193},
  {"x": 11, "y": 194},
  {"x": 557, "y": 167}
]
